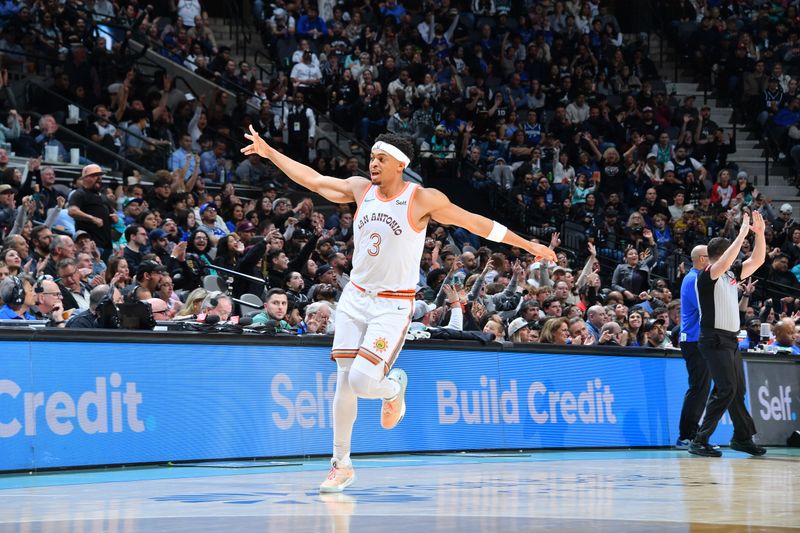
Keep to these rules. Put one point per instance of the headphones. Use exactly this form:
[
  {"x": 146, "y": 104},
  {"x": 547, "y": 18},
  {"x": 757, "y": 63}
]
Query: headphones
[
  {"x": 18, "y": 291},
  {"x": 214, "y": 301},
  {"x": 38, "y": 288}
]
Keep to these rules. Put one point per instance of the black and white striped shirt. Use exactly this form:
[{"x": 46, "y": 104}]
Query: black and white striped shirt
[{"x": 719, "y": 300}]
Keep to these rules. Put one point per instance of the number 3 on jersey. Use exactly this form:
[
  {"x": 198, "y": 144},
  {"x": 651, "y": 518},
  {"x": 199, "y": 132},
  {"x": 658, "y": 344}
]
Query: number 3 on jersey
[{"x": 375, "y": 249}]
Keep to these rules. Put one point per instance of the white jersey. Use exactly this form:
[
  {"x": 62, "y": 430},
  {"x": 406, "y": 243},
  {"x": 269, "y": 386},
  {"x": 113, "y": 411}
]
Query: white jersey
[{"x": 388, "y": 247}]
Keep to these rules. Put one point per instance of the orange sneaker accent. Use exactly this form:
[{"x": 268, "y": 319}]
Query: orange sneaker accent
[
  {"x": 339, "y": 478},
  {"x": 393, "y": 411}
]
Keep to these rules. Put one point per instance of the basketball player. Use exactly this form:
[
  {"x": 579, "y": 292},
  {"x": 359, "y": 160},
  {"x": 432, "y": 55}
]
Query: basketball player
[{"x": 375, "y": 308}]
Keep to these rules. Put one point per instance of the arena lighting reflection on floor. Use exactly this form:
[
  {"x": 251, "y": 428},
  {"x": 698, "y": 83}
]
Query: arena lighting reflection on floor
[{"x": 564, "y": 491}]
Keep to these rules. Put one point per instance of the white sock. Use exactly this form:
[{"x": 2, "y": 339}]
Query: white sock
[
  {"x": 345, "y": 410},
  {"x": 368, "y": 387}
]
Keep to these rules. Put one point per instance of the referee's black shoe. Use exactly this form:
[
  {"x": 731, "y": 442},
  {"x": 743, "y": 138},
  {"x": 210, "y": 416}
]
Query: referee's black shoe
[
  {"x": 747, "y": 446},
  {"x": 703, "y": 449}
]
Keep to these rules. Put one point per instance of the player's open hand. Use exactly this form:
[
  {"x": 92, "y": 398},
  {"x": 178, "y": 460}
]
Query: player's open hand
[
  {"x": 745, "y": 229},
  {"x": 257, "y": 144},
  {"x": 542, "y": 252},
  {"x": 758, "y": 224}
]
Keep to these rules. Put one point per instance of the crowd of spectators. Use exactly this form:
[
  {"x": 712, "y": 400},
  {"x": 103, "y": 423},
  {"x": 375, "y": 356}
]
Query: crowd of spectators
[
  {"x": 749, "y": 54},
  {"x": 542, "y": 108}
]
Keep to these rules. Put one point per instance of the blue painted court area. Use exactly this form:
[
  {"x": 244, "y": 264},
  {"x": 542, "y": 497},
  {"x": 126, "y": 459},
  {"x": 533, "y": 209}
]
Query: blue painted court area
[{"x": 611, "y": 490}]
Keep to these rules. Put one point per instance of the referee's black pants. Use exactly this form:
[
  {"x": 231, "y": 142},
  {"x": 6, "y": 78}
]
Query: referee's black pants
[
  {"x": 720, "y": 349},
  {"x": 694, "y": 401}
]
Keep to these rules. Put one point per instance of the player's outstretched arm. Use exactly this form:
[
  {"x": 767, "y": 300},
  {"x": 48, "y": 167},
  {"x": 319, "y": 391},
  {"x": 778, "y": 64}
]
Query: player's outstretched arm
[
  {"x": 334, "y": 189},
  {"x": 436, "y": 205}
]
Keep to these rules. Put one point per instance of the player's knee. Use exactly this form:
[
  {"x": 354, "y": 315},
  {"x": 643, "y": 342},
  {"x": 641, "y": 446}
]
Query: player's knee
[{"x": 359, "y": 382}]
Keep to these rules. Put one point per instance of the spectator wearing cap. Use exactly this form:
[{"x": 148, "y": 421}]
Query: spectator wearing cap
[
  {"x": 246, "y": 231},
  {"x": 655, "y": 331},
  {"x": 690, "y": 224},
  {"x": 752, "y": 327},
  {"x": 519, "y": 331},
  {"x": 210, "y": 223},
  {"x": 439, "y": 148},
  {"x": 159, "y": 244},
  {"x": 136, "y": 237},
  {"x": 131, "y": 209},
  {"x": 149, "y": 274},
  {"x": 324, "y": 276},
  {"x": 91, "y": 211}
]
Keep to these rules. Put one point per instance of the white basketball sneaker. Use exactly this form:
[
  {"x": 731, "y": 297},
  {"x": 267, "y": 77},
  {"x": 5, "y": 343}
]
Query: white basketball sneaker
[
  {"x": 394, "y": 409},
  {"x": 339, "y": 478}
]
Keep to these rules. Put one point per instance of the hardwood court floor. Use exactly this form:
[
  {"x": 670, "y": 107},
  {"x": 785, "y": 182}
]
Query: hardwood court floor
[{"x": 613, "y": 491}]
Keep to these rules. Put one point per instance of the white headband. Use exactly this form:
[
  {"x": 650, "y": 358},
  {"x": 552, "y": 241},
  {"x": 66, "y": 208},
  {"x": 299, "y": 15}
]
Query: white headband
[{"x": 392, "y": 151}]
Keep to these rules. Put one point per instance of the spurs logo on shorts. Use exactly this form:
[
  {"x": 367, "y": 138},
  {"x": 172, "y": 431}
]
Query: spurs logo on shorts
[{"x": 380, "y": 344}]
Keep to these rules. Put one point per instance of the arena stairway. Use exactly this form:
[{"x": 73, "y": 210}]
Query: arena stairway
[
  {"x": 331, "y": 138},
  {"x": 750, "y": 154}
]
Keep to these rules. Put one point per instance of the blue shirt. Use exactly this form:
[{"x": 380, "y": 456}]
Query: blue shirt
[
  {"x": 178, "y": 159},
  {"x": 793, "y": 349},
  {"x": 690, "y": 308},
  {"x": 6, "y": 313},
  {"x": 744, "y": 344}
]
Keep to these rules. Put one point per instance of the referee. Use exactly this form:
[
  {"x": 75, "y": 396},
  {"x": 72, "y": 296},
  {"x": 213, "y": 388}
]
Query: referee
[
  {"x": 699, "y": 381},
  {"x": 718, "y": 295}
]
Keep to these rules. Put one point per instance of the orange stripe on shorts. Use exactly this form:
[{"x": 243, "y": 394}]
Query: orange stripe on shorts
[
  {"x": 343, "y": 354},
  {"x": 369, "y": 356}
]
